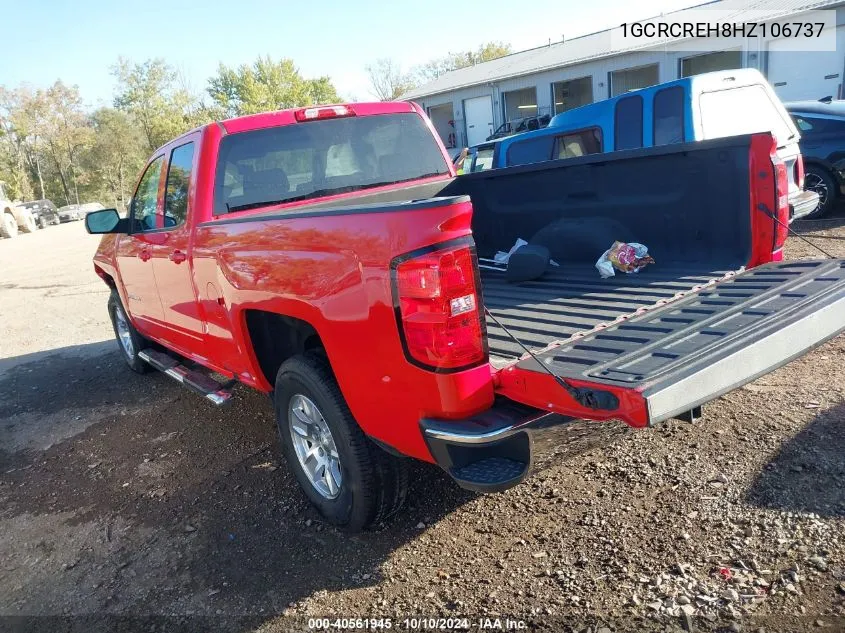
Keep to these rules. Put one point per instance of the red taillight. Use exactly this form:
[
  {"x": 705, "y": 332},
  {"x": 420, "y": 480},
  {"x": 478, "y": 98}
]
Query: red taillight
[
  {"x": 782, "y": 198},
  {"x": 799, "y": 172},
  {"x": 769, "y": 187},
  {"x": 316, "y": 113},
  {"x": 439, "y": 310}
]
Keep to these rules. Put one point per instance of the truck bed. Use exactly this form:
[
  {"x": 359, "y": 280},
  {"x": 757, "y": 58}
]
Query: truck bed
[{"x": 573, "y": 298}]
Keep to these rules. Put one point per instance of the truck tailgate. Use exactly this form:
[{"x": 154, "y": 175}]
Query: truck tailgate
[{"x": 678, "y": 356}]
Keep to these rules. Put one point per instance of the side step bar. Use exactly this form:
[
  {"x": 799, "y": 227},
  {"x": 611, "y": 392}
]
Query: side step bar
[{"x": 198, "y": 381}]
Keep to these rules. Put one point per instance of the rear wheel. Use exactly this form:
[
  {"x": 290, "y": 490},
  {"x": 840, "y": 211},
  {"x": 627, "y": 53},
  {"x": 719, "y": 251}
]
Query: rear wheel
[
  {"x": 819, "y": 180},
  {"x": 353, "y": 483},
  {"x": 128, "y": 338},
  {"x": 8, "y": 225}
]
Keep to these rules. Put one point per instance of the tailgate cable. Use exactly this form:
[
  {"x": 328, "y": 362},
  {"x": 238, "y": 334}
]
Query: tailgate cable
[
  {"x": 588, "y": 398},
  {"x": 762, "y": 207}
]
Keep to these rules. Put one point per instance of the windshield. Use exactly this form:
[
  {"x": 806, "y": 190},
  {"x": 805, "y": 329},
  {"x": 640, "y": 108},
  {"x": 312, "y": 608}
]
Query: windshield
[
  {"x": 321, "y": 158},
  {"x": 483, "y": 159}
]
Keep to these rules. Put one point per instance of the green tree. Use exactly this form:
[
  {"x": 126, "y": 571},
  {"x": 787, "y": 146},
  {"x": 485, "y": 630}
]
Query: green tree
[
  {"x": 23, "y": 128},
  {"x": 67, "y": 134},
  {"x": 266, "y": 85},
  {"x": 322, "y": 91},
  {"x": 151, "y": 92},
  {"x": 115, "y": 157},
  {"x": 13, "y": 150}
]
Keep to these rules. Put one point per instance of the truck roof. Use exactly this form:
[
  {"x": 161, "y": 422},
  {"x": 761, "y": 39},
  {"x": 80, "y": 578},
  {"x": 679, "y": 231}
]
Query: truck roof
[
  {"x": 287, "y": 116},
  {"x": 834, "y": 107}
]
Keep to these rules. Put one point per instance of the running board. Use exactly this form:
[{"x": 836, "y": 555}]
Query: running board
[{"x": 198, "y": 381}]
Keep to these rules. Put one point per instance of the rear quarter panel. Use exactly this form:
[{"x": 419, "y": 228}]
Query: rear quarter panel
[{"x": 331, "y": 269}]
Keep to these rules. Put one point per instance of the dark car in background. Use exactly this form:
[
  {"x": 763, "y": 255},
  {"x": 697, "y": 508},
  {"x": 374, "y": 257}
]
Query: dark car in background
[
  {"x": 822, "y": 126},
  {"x": 527, "y": 124},
  {"x": 44, "y": 212}
]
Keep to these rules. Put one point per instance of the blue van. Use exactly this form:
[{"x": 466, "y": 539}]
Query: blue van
[{"x": 711, "y": 105}]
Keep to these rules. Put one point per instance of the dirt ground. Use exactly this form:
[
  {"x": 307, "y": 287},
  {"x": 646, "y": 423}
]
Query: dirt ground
[{"x": 126, "y": 498}]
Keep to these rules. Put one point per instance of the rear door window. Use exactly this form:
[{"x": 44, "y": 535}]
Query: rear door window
[
  {"x": 812, "y": 126},
  {"x": 580, "y": 143},
  {"x": 145, "y": 201},
  {"x": 178, "y": 183},
  {"x": 628, "y": 123},
  {"x": 669, "y": 116}
]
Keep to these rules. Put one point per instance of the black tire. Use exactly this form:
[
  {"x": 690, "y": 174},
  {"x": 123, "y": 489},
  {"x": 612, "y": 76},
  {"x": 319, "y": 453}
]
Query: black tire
[
  {"x": 134, "y": 361},
  {"x": 42, "y": 223},
  {"x": 818, "y": 179},
  {"x": 374, "y": 483}
]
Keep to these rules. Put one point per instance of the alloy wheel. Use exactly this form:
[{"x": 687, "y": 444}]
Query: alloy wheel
[{"x": 315, "y": 446}]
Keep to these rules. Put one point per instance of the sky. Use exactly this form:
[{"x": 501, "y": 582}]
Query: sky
[{"x": 78, "y": 42}]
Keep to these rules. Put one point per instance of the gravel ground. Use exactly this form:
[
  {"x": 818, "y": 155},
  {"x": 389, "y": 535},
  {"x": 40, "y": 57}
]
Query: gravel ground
[{"x": 124, "y": 495}]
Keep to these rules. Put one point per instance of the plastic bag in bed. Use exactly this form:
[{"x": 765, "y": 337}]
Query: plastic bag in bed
[
  {"x": 501, "y": 257},
  {"x": 629, "y": 258}
]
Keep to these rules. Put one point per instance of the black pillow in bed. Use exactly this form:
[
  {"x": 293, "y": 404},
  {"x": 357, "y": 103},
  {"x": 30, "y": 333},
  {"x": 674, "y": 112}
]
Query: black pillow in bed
[
  {"x": 527, "y": 262},
  {"x": 581, "y": 239}
]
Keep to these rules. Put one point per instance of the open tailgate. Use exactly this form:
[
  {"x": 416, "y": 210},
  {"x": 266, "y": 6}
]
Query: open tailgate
[{"x": 675, "y": 357}]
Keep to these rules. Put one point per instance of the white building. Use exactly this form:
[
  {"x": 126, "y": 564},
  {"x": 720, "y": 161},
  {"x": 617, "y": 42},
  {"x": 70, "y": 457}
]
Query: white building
[{"x": 467, "y": 105}]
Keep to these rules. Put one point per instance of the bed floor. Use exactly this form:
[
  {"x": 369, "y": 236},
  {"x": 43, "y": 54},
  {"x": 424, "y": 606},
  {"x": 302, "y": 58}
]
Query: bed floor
[{"x": 574, "y": 298}]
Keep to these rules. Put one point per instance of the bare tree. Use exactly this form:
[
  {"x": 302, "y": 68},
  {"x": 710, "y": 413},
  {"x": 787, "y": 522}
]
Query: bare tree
[
  {"x": 387, "y": 81},
  {"x": 453, "y": 61}
]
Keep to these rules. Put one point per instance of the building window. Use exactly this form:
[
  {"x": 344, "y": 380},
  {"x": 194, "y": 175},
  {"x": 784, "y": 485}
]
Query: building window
[
  {"x": 622, "y": 81},
  {"x": 520, "y": 104},
  {"x": 669, "y": 116},
  {"x": 572, "y": 94},
  {"x": 443, "y": 119},
  {"x": 723, "y": 60},
  {"x": 628, "y": 123}
]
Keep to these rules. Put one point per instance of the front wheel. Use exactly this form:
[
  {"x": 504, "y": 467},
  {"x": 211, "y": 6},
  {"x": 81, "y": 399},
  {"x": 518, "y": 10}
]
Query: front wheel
[
  {"x": 128, "y": 338},
  {"x": 353, "y": 483},
  {"x": 819, "y": 180}
]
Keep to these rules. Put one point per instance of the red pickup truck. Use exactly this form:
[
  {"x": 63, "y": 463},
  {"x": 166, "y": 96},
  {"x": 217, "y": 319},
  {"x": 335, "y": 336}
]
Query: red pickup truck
[{"x": 329, "y": 256}]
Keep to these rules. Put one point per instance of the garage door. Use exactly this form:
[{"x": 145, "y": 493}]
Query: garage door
[
  {"x": 799, "y": 75},
  {"x": 478, "y": 114}
]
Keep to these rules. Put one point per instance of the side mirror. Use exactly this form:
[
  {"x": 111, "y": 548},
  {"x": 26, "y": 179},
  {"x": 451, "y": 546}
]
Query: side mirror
[{"x": 106, "y": 221}]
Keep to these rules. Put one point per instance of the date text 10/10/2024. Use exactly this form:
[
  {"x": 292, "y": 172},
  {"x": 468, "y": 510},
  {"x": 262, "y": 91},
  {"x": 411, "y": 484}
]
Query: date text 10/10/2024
[{"x": 417, "y": 624}]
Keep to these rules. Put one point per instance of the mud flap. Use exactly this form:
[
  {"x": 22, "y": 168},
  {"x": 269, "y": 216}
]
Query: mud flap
[{"x": 678, "y": 356}]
